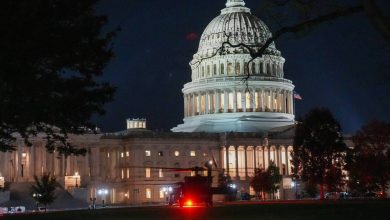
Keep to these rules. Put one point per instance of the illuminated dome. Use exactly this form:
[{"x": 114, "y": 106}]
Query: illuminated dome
[
  {"x": 238, "y": 24},
  {"x": 217, "y": 100}
]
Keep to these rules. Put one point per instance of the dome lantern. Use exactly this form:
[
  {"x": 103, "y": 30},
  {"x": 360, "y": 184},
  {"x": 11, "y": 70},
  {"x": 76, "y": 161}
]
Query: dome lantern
[{"x": 235, "y": 3}]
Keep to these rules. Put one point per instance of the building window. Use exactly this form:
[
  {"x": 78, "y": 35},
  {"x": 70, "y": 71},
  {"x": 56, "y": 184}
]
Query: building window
[
  {"x": 160, "y": 173},
  {"x": 148, "y": 153},
  {"x": 148, "y": 193},
  {"x": 127, "y": 154},
  {"x": 147, "y": 172},
  {"x": 122, "y": 174},
  {"x": 239, "y": 101},
  {"x": 215, "y": 69},
  {"x": 108, "y": 155},
  {"x": 192, "y": 153},
  {"x": 222, "y": 69},
  {"x": 128, "y": 173},
  {"x": 162, "y": 193},
  {"x": 177, "y": 153},
  {"x": 122, "y": 155},
  {"x": 160, "y": 153}
]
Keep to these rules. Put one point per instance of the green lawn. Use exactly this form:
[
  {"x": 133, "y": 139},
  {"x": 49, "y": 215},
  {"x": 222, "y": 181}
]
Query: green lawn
[{"x": 367, "y": 210}]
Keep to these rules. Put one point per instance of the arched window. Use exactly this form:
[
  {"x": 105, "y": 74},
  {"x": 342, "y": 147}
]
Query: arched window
[
  {"x": 222, "y": 69},
  {"x": 269, "y": 69},
  {"x": 253, "y": 68},
  {"x": 238, "y": 67},
  {"x": 208, "y": 70},
  {"x": 261, "y": 68},
  {"x": 202, "y": 71},
  {"x": 246, "y": 68},
  {"x": 230, "y": 68},
  {"x": 215, "y": 69}
]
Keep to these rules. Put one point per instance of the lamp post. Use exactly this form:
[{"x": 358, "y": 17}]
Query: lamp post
[
  {"x": 103, "y": 193},
  {"x": 77, "y": 176},
  {"x": 1, "y": 182}
]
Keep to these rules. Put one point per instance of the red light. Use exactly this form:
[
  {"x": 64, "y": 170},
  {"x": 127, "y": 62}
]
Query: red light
[{"x": 189, "y": 203}]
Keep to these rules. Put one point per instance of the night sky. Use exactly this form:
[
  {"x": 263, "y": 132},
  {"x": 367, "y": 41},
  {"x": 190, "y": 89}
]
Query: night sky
[{"x": 343, "y": 65}]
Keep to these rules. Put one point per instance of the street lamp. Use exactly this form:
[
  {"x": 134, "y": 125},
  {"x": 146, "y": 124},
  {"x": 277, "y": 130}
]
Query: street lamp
[
  {"x": 77, "y": 176},
  {"x": 103, "y": 193},
  {"x": 1, "y": 181}
]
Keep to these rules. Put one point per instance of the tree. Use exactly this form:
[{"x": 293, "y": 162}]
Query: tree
[
  {"x": 43, "y": 189},
  {"x": 368, "y": 163},
  {"x": 266, "y": 181},
  {"x": 260, "y": 183},
  {"x": 319, "y": 150},
  {"x": 274, "y": 178},
  {"x": 52, "y": 53}
]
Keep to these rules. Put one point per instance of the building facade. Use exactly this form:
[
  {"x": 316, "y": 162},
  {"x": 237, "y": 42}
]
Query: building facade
[{"x": 240, "y": 126}]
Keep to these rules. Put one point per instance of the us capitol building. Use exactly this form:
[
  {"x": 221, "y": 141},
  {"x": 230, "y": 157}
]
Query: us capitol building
[{"x": 240, "y": 126}]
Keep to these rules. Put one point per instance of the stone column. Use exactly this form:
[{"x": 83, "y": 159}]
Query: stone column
[
  {"x": 243, "y": 100},
  {"x": 246, "y": 162},
  {"x": 217, "y": 102},
  {"x": 234, "y": 101},
  {"x": 287, "y": 161},
  {"x": 225, "y": 93},
  {"x": 236, "y": 157},
  {"x": 227, "y": 160},
  {"x": 193, "y": 104},
  {"x": 262, "y": 100},
  {"x": 200, "y": 103},
  {"x": 206, "y": 103},
  {"x": 254, "y": 157},
  {"x": 271, "y": 94}
]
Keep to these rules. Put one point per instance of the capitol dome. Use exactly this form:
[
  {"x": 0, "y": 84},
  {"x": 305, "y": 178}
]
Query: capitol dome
[{"x": 217, "y": 100}]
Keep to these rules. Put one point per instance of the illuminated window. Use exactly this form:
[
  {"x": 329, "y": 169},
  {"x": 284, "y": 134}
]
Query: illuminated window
[
  {"x": 257, "y": 100},
  {"x": 108, "y": 155},
  {"x": 148, "y": 153},
  {"x": 205, "y": 154},
  {"x": 147, "y": 172},
  {"x": 127, "y": 154},
  {"x": 128, "y": 173},
  {"x": 248, "y": 100},
  {"x": 204, "y": 172},
  {"x": 177, "y": 153},
  {"x": 122, "y": 154},
  {"x": 122, "y": 174},
  {"x": 239, "y": 100},
  {"x": 192, "y": 173},
  {"x": 230, "y": 102},
  {"x": 162, "y": 193},
  {"x": 160, "y": 153},
  {"x": 160, "y": 173},
  {"x": 192, "y": 153},
  {"x": 148, "y": 193},
  {"x": 221, "y": 101}
]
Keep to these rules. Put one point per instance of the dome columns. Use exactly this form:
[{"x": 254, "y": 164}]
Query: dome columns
[{"x": 275, "y": 100}]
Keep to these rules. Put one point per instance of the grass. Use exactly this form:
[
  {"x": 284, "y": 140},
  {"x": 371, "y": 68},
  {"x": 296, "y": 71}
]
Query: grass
[{"x": 311, "y": 210}]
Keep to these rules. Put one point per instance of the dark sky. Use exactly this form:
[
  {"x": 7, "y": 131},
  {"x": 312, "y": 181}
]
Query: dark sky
[{"x": 343, "y": 65}]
